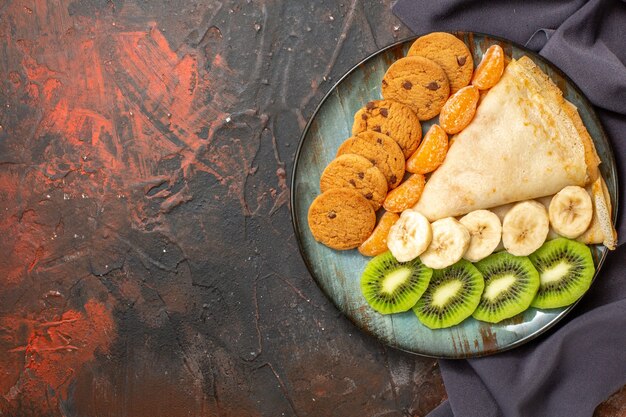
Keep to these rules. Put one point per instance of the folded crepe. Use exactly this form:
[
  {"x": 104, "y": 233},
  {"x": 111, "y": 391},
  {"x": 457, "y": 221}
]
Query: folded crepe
[{"x": 525, "y": 142}]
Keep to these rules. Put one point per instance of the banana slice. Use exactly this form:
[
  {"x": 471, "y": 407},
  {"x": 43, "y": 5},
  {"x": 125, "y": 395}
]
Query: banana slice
[
  {"x": 571, "y": 211},
  {"x": 486, "y": 232},
  {"x": 525, "y": 228},
  {"x": 409, "y": 236},
  {"x": 450, "y": 241}
]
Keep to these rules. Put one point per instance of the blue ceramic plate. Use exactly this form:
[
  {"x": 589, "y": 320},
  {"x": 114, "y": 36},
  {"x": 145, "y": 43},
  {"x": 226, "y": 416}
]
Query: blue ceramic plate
[{"x": 338, "y": 272}]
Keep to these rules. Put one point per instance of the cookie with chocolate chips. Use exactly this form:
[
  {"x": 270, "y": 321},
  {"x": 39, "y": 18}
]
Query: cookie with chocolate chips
[
  {"x": 450, "y": 53},
  {"x": 419, "y": 83},
  {"x": 394, "y": 120},
  {"x": 341, "y": 218},
  {"x": 358, "y": 173},
  {"x": 380, "y": 150}
]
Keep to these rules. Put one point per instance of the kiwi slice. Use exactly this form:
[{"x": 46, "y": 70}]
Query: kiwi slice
[
  {"x": 511, "y": 283},
  {"x": 565, "y": 272},
  {"x": 390, "y": 286},
  {"x": 451, "y": 297}
]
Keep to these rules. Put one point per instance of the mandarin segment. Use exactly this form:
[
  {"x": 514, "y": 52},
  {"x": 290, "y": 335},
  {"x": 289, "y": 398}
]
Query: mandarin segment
[
  {"x": 406, "y": 195},
  {"x": 431, "y": 152},
  {"x": 377, "y": 242},
  {"x": 459, "y": 110},
  {"x": 490, "y": 69}
]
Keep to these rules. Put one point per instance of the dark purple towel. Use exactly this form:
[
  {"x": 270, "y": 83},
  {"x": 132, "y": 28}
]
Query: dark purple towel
[{"x": 574, "y": 367}]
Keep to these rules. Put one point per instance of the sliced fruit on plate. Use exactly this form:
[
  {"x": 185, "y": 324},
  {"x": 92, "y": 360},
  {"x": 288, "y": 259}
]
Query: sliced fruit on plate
[
  {"x": 511, "y": 283},
  {"x": 571, "y": 211},
  {"x": 431, "y": 153},
  {"x": 486, "y": 232},
  {"x": 409, "y": 236},
  {"x": 452, "y": 295},
  {"x": 600, "y": 229},
  {"x": 377, "y": 242},
  {"x": 390, "y": 286},
  {"x": 565, "y": 271},
  {"x": 450, "y": 241},
  {"x": 525, "y": 228}
]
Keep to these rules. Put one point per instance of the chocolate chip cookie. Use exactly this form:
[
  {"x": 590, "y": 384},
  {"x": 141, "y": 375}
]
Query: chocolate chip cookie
[
  {"x": 356, "y": 172},
  {"x": 380, "y": 150},
  {"x": 394, "y": 120},
  {"x": 450, "y": 53},
  {"x": 341, "y": 218},
  {"x": 419, "y": 83}
]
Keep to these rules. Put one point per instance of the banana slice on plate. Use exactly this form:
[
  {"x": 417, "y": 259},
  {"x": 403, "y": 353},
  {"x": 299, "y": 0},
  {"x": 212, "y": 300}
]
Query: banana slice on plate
[
  {"x": 486, "y": 232},
  {"x": 571, "y": 211},
  {"x": 525, "y": 228},
  {"x": 450, "y": 241},
  {"x": 409, "y": 236}
]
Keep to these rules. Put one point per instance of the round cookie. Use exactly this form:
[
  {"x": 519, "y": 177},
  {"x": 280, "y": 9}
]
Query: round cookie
[
  {"x": 358, "y": 173},
  {"x": 450, "y": 53},
  {"x": 380, "y": 150},
  {"x": 392, "y": 119},
  {"x": 341, "y": 218},
  {"x": 419, "y": 83}
]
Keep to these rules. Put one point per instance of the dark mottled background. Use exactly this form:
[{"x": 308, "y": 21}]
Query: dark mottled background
[{"x": 148, "y": 266}]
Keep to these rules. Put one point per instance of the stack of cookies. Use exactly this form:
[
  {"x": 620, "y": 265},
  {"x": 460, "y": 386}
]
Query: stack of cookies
[{"x": 369, "y": 169}]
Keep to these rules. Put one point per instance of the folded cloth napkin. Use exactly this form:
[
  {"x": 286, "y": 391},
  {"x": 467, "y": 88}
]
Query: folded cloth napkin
[{"x": 571, "y": 369}]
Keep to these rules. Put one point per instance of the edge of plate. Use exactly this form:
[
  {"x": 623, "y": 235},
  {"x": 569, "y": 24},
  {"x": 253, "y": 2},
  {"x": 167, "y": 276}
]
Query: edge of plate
[{"x": 298, "y": 232}]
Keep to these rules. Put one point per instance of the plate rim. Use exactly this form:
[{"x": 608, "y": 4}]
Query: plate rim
[{"x": 298, "y": 231}]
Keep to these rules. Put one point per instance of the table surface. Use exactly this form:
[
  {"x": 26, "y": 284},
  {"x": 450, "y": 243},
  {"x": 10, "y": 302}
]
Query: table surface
[{"x": 149, "y": 266}]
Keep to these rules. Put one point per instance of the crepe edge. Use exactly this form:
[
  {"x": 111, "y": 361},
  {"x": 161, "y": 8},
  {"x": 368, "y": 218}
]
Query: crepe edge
[
  {"x": 602, "y": 206},
  {"x": 592, "y": 160}
]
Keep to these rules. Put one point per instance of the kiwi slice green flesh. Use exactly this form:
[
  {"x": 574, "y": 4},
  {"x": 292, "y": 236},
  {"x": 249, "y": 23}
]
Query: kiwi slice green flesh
[
  {"x": 565, "y": 272},
  {"x": 511, "y": 283},
  {"x": 451, "y": 297},
  {"x": 390, "y": 286}
]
